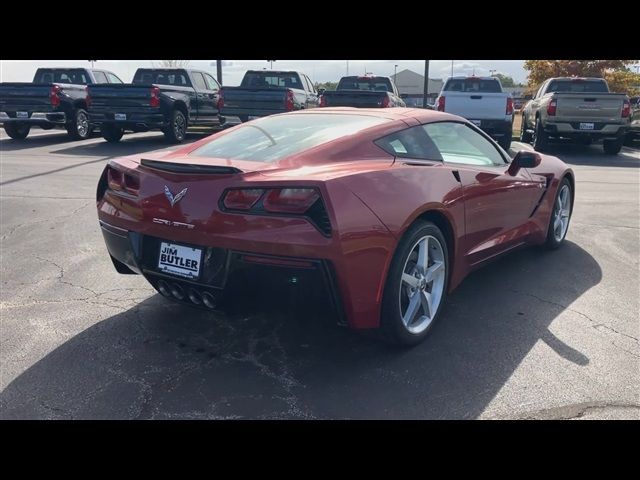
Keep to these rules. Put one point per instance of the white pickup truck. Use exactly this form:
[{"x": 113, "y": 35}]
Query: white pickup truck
[{"x": 482, "y": 101}]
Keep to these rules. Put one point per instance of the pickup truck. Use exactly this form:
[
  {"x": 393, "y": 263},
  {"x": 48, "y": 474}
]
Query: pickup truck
[
  {"x": 165, "y": 99},
  {"x": 578, "y": 109},
  {"x": 55, "y": 99},
  {"x": 633, "y": 135},
  {"x": 265, "y": 92},
  {"x": 482, "y": 101},
  {"x": 364, "y": 92}
]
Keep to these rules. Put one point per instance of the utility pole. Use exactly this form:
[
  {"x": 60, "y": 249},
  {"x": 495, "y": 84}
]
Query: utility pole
[
  {"x": 271, "y": 63},
  {"x": 347, "y": 68},
  {"x": 219, "y": 71},
  {"x": 426, "y": 84},
  {"x": 452, "y": 68},
  {"x": 491, "y": 72},
  {"x": 92, "y": 62},
  {"x": 395, "y": 70}
]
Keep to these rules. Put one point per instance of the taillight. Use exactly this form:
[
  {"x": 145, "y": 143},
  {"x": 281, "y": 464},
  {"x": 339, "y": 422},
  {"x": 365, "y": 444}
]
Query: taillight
[
  {"x": 220, "y": 99},
  {"x": 509, "y": 106},
  {"x": 626, "y": 109},
  {"x": 440, "y": 105},
  {"x": 242, "y": 199},
  {"x": 385, "y": 102},
  {"x": 87, "y": 96},
  {"x": 323, "y": 101},
  {"x": 155, "y": 97},
  {"x": 552, "y": 107},
  {"x": 288, "y": 102},
  {"x": 290, "y": 200},
  {"x": 123, "y": 181},
  {"x": 54, "y": 95}
]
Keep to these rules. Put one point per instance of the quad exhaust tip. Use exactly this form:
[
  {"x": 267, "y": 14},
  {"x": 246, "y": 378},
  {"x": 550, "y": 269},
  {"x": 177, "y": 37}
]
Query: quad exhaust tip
[
  {"x": 178, "y": 292},
  {"x": 209, "y": 300},
  {"x": 195, "y": 296},
  {"x": 163, "y": 288}
]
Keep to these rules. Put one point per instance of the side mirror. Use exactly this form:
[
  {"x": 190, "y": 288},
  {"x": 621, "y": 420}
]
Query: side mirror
[
  {"x": 321, "y": 91},
  {"x": 524, "y": 159}
]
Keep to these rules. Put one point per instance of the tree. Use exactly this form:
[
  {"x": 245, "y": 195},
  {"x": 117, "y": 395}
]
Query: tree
[
  {"x": 327, "y": 85},
  {"x": 540, "y": 70},
  {"x": 505, "y": 80},
  {"x": 172, "y": 63},
  {"x": 622, "y": 81}
]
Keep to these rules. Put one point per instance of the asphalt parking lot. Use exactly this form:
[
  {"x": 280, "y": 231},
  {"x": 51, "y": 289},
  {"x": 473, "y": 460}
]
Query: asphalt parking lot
[{"x": 535, "y": 335}]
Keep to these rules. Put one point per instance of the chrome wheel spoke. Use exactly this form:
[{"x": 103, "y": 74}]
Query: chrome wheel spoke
[
  {"x": 410, "y": 280},
  {"x": 412, "y": 309},
  {"x": 423, "y": 255},
  {"x": 434, "y": 270},
  {"x": 425, "y": 300}
]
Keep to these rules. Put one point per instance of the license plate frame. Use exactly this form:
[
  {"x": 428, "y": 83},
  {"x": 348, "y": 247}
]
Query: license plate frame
[
  {"x": 175, "y": 262},
  {"x": 587, "y": 125}
]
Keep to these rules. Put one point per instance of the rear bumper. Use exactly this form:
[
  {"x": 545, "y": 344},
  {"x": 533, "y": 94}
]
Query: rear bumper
[
  {"x": 600, "y": 130},
  {"x": 138, "y": 122},
  {"x": 46, "y": 120},
  {"x": 132, "y": 252},
  {"x": 497, "y": 128},
  {"x": 249, "y": 112}
]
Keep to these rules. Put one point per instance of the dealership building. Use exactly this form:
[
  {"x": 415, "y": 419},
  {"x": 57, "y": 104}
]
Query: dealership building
[{"x": 411, "y": 87}]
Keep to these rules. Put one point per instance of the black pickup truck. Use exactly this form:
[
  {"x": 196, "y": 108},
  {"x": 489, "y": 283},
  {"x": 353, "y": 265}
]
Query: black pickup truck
[
  {"x": 363, "y": 92},
  {"x": 166, "y": 99},
  {"x": 265, "y": 92},
  {"x": 55, "y": 99}
]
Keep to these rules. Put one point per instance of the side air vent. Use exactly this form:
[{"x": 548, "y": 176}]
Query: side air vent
[
  {"x": 317, "y": 213},
  {"x": 176, "y": 167}
]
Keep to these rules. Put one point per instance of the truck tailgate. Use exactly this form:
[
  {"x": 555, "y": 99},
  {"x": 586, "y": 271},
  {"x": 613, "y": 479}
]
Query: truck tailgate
[
  {"x": 119, "y": 95},
  {"x": 243, "y": 98},
  {"x": 28, "y": 97},
  {"x": 354, "y": 98},
  {"x": 480, "y": 105},
  {"x": 598, "y": 107}
]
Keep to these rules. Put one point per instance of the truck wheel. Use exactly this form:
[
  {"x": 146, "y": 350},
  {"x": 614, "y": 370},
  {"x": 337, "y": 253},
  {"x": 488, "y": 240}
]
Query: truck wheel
[
  {"x": 17, "y": 132},
  {"x": 243, "y": 118},
  {"x": 176, "y": 131},
  {"x": 612, "y": 147},
  {"x": 505, "y": 142},
  {"x": 525, "y": 136},
  {"x": 111, "y": 133},
  {"x": 540, "y": 138},
  {"x": 79, "y": 128}
]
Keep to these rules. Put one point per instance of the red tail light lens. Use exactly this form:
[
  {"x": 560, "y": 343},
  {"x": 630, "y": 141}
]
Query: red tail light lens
[
  {"x": 87, "y": 96},
  {"x": 288, "y": 102},
  {"x": 132, "y": 183},
  {"x": 290, "y": 200},
  {"x": 123, "y": 181},
  {"x": 242, "y": 199},
  {"x": 54, "y": 95},
  {"x": 323, "y": 101},
  {"x": 115, "y": 178},
  {"x": 440, "y": 105},
  {"x": 509, "y": 106},
  {"x": 220, "y": 99},
  {"x": 626, "y": 109},
  {"x": 552, "y": 107},
  {"x": 385, "y": 102},
  {"x": 155, "y": 97}
]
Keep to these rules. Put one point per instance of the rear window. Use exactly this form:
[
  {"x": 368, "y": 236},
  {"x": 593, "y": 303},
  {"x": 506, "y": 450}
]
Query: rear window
[
  {"x": 269, "y": 79},
  {"x": 578, "y": 86},
  {"x": 271, "y": 138},
  {"x": 380, "y": 84},
  {"x": 472, "y": 85},
  {"x": 162, "y": 77},
  {"x": 76, "y": 76}
]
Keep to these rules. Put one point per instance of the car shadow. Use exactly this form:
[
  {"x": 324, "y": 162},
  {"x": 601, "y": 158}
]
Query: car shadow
[
  {"x": 593, "y": 155},
  {"x": 273, "y": 359},
  {"x": 34, "y": 141}
]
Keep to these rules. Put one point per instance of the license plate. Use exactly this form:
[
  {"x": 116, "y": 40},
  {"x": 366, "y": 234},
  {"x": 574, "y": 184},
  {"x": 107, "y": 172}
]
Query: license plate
[
  {"x": 120, "y": 116},
  {"x": 586, "y": 126},
  {"x": 22, "y": 114},
  {"x": 477, "y": 123},
  {"x": 179, "y": 260}
]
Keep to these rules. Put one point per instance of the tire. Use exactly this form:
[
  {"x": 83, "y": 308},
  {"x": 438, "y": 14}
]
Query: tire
[
  {"x": 556, "y": 237},
  {"x": 612, "y": 147},
  {"x": 244, "y": 118},
  {"x": 525, "y": 136},
  {"x": 111, "y": 133},
  {"x": 80, "y": 127},
  {"x": 17, "y": 132},
  {"x": 540, "y": 138},
  {"x": 176, "y": 131},
  {"x": 505, "y": 142},
  {"x": 399, "y": 294}
]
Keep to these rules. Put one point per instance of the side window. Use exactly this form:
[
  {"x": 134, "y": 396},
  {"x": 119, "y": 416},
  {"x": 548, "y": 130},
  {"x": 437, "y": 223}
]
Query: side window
[
  {"x": 100, "y": 77},
  {"x": 410, "y": 143},
  {"x": 459, "y": 143},
  {"x": 212, "y": 84},
  {"x": 539, "y": 93},
  {"x": 112, "y": 78},
  {"x": 310, "y": 83},
  {"x": 198, "y": 81}
]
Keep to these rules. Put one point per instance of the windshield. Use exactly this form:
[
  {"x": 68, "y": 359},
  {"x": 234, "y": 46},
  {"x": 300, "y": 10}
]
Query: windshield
[
  {"x": 76, "y": 76},
  {"x": 271, "y": 138},
  {"x": 578, "y": 85},
  {"x": 271, "y": 79},
  {"x": 472, "y": 85},
  {"x": 162, "y": 77},
  {"x": 380, "y": 84}
]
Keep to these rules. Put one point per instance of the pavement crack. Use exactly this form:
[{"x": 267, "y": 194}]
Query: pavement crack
[{"x": 575, "y": 411}]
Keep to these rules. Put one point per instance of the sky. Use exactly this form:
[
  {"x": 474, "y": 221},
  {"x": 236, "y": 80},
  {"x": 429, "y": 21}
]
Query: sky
[{"x": 317, "y": 70}]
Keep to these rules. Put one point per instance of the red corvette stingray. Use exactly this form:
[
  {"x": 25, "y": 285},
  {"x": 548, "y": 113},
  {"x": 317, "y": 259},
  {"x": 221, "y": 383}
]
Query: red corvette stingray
[{"x": 389, "y": 209}]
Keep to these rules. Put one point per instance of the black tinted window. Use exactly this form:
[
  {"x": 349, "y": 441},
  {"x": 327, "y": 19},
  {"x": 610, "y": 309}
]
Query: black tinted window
[
  {"x": 379, "y": 84},
  {"x": 162, "y": 77},
  {"x": 472, "y": 85},
  {"x": 268, "y": 79},
  {"x": 577, "y": 85},
  {"x": 410, "y": 143},
  {"x": 58, "y": 75}
]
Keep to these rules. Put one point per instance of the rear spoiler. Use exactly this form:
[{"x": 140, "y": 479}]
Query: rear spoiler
[{"x": 176, "y": 167}]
